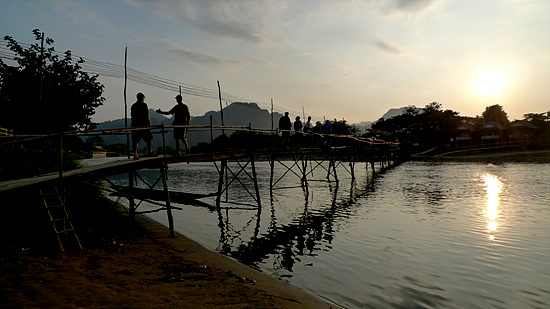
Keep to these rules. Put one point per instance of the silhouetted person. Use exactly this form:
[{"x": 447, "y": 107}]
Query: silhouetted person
[
  {"x": 298, "y": 130},
  {"x": 298, "y": 124},
  {"x": 317, "y": 130},
  {"x": 327, "y": 130},
  {"x": 308, "y": 129},
  {"x": 285, "y": 126},
  {"x": 182, "y": 117},
  {"x": 140, "y": 118}
]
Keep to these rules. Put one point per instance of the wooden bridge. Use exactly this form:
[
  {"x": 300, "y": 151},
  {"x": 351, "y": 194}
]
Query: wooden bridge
[{"x": 330, "y": 152}]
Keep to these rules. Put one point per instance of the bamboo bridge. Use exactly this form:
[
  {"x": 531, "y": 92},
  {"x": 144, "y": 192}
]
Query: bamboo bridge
[{"x": 234, "y": 166}]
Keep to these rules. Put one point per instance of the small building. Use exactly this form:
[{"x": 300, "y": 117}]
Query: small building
[
  {"x": 493, "y": 133},
  {"x": 99, "y": 152},
  {"x": 523, "y": 132},
  {"x": 465, "y": 135}
]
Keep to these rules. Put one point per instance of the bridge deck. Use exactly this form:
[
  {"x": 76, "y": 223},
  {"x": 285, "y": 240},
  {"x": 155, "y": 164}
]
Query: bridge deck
[{"x": 126, "y": 165}]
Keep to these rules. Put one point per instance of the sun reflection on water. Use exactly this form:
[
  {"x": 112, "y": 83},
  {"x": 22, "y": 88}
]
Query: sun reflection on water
[{"x": 493, "y": 188}]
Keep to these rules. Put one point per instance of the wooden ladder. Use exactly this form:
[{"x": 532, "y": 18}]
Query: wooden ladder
[{"x": 61, "y": 222}]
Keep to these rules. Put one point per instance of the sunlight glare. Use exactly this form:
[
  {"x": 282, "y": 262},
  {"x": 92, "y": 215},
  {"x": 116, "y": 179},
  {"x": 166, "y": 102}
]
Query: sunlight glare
[
  {"x": 490, "y": 82},
  {"x": 493, "y": 188}
]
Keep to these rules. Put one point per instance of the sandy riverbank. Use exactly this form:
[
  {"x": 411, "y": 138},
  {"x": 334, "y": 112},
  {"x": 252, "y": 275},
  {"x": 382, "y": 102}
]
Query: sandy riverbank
[{"x": 139, "y": 266}]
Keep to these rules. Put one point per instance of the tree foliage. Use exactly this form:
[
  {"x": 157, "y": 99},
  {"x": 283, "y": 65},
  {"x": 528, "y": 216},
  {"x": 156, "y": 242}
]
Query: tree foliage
[
  {"x": 51, "y": 93},
  {"x": 495, "y": 113},
  {"x": 429, "y": 126}
]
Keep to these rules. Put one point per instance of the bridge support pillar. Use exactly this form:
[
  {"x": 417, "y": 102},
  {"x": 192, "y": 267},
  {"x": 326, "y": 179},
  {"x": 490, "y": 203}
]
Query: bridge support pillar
[
  {"x": 164, "y": 174},
  {"x": 221, "y": 171},
  {"x": 131, "y": 201},
  {"x": 255, "y": 180}
]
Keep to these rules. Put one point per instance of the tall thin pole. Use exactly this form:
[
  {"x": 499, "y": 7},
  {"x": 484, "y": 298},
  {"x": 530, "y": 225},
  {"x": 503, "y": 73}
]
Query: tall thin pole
[
  {"x": 303, "y": 113},
  {"x": 40, "y": 92},
  {"x": 180, "y": 90},
  {"x": 221, "y": 106},
  {"x": 41, "y": 67},
  {"x": 272, "y": 114},
  {"x": 125, "y": 102},
  {"x": 131, "y": 201}
]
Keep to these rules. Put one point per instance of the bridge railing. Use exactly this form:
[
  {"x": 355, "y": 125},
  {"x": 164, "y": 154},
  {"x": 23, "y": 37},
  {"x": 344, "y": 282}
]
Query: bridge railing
[{"x": 32, "y": 154}]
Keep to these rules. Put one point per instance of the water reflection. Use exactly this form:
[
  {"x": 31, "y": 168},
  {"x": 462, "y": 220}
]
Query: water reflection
[
  {"x": 493, "y": 188},
  {"x": 308, "y": 233}
]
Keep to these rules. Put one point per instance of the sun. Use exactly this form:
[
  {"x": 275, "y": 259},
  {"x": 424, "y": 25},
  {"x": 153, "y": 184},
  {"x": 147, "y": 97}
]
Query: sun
[{"x": 490, "y": 82}]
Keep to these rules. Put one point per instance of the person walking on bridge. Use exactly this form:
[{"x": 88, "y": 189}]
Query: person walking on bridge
[
  {"x": 285, "y": 125},
  {"x": 182, "y": 117},
  {"x": 140, "y": 118}
]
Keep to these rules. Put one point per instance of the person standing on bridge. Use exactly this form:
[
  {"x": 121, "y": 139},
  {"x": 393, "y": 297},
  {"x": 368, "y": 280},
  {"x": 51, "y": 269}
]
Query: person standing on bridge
[
  {"x": 285, "y": 125},
  {"x": 140, "y": 118},
  {"x": 308, "y": 129},
  {"x": 298, "y": 131},
  {"x": 327, "y": 130},
  {"x": 182, "y": 117}
]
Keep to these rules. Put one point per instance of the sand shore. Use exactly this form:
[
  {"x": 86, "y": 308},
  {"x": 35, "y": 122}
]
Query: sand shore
[{"x": 129, "y": 265}]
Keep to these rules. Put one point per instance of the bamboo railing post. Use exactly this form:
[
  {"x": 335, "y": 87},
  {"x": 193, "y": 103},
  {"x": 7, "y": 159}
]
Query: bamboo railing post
[
  {"x": 132, "y": 210},
  {"x": 125, "y": 102},
  {"x": 272, "y": 167},
  {"x": 211, "y": 133},
  {"x": 220, "y": 182},
  {"x": 163, "y": 171},
  {"x": 221, "y": 107},
  {"x": 255, "y": 179},
  {"x": 304, "y": 169},
  {"x": 164, "y": 142}
]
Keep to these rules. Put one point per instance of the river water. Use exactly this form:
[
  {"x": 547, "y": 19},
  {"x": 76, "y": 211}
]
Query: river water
[{"x": 419, "y": 235}]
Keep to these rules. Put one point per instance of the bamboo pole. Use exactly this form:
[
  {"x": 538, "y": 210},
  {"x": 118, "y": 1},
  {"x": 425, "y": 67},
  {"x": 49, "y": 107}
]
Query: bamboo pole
[
  {"x": 220, "y": 183},
  {"x": 221, "y": 107},
  {"x": 255, "y": 180},
  {"x": 131, "y": 201},
  {"x": 164, "y": 142},
  {"x": 125, "y": 102},
  {"x": 163, "y": 170}
]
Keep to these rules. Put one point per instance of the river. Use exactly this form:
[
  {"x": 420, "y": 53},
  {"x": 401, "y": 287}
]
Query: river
[{"x": 419, "y": 235}]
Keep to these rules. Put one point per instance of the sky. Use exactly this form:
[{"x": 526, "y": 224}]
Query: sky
[{"x": 345, "y": 59}]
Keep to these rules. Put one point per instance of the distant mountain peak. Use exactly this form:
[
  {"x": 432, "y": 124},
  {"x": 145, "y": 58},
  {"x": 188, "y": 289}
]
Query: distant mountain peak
[
  {"x": 245, "y": 104},
  {"x": 392, "y": 112}
]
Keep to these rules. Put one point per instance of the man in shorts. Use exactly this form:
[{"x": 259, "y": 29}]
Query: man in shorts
[
  {"x": 182, "y": 117},
  {"x": 140, "y": 118}
]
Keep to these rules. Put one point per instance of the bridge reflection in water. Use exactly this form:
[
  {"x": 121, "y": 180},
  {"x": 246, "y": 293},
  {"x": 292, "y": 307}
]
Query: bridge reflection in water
[{"x": 285, "y": 235}]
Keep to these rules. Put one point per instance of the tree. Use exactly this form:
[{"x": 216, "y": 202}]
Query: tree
[
  {"x": 43, "y": 94},
  {"x": 538, "y": 119},
  {"x": 427, "y": 127},
  {"x": 46, "y": 93},
  {"x": 495, "y": 113},
  {"x": 432, "y": 107}
]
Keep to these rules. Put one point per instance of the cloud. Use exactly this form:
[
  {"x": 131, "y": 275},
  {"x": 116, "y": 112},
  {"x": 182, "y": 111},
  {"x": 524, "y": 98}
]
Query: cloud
[
  {"x": 244, "y": 20},
  {"x": 240, "y": 31},
  {"x": 203, "y": 58},
  {"x": 387, "y": 48},
  {"x": 412, "y": 6}
]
